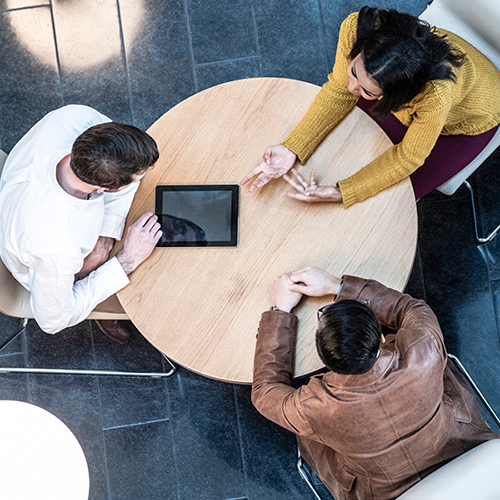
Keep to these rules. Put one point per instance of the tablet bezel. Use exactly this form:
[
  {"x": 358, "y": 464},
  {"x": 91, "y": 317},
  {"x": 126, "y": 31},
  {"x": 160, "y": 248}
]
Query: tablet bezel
[{"x": 235, "y": 201}]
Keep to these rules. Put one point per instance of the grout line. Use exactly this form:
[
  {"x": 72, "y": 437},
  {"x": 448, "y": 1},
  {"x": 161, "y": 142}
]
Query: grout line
[
  {"x": 135, "y": 425},
  {"x": 256, "y": 34},
  {"x": 190, "y": 41},
  {"x": 177, "y": 376},
  {"x": 240, "y": 437},
  {"x": 56, "y": 48},
  {"x": 323, "y": 37},
  {"x": 28, "y": 7},
  {"x": 101, "y": 418},
  {"x": 201, "y": 65},
  {"x": 125, "y": 62}
]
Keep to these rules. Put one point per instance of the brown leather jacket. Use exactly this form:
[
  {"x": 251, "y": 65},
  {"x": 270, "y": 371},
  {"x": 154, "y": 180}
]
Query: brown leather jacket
[{"x": 371, "y": 436}]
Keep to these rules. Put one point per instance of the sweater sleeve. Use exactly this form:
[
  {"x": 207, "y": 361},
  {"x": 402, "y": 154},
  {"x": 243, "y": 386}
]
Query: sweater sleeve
[
  {"x": 332, "y": 103},
  {"x": 272, "y": 393},
  {"x": 429, "y": 113}
]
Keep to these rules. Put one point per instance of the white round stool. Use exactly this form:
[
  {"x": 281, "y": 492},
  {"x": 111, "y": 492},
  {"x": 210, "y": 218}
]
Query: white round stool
[{"x": 40, "y": 458}]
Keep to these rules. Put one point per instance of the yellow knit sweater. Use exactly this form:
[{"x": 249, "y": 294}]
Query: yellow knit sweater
[{"x": 470, "y": 106}]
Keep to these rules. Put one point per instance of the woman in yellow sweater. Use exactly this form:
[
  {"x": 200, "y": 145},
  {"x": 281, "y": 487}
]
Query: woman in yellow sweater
[{"x": 435, "y": 95}]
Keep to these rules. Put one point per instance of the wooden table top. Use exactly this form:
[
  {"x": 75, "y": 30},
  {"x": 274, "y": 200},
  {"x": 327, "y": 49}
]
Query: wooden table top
[{"x": 201, "y": 306}]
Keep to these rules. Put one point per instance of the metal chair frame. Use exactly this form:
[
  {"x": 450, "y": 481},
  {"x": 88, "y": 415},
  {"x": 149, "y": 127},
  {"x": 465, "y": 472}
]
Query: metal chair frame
[
  {"x": 18, "y": 307},
  {"x": 300, "y": 463},
  {"x": 58, "y": 371}
]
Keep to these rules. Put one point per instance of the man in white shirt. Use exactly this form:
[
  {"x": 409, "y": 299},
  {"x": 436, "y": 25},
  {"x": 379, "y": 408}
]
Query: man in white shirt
[{"x": 65, "y": 192}]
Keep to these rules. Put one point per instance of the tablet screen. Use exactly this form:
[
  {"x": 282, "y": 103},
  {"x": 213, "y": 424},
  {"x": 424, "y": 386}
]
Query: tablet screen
[{"x": 198, "y": 216}]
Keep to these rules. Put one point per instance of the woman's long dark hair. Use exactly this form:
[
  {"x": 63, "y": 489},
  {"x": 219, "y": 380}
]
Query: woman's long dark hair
[{"x": 402, "y": 53}]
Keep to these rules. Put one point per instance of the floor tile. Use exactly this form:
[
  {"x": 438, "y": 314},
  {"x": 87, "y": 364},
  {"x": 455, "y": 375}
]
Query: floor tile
[
  {"x": 69, "y": 349},
  {"x": 129, "y": 400},
  {"x": 159, "y": 58},
  {"x": 28, "y": 76},
  {"x": 270, "y": 455},
  {"x": 290, "y": 40},
  {"x": 90, "y": 56},
  {"x": 334, "y": 12},
  {"x": 221, "y": 30},
  {"x": 19, "y": 4},
  {"x": 209, "y": 75},
  {"x": 9, "y": 328},
  {"x": 140, "y": 462},
  {"x": 74, "y": 400},
  {"x": 415, "y": 286},
  {"x": 458, "y": 290},
  {"x": 205, "y": 438},
  {"x": 485, "y": 185}
]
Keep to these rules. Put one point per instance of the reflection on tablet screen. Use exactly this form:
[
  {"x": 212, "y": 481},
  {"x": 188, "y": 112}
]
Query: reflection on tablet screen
[{"x": 198, "y": 215}]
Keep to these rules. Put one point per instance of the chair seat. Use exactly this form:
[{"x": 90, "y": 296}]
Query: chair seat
[{"x": 473, "y": 475}]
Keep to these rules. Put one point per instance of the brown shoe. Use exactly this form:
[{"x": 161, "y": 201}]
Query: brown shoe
[{"x": 114, "y": 329}]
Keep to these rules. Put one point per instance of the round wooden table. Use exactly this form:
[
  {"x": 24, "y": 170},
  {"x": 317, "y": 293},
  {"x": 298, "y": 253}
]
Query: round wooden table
[
  {"x": 39, "y": 456},
  {"x": 201, "y": 306}
]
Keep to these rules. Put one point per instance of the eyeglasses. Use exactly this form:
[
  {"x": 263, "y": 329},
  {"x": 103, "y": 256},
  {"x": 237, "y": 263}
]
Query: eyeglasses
[{"x": 366, "y": 302}]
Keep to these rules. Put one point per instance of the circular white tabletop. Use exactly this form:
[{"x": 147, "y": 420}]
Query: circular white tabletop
[{"x": 40, "y": 458}]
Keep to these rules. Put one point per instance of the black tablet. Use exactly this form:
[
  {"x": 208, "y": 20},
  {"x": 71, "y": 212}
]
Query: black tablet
[{"x": 198, "y": 215}]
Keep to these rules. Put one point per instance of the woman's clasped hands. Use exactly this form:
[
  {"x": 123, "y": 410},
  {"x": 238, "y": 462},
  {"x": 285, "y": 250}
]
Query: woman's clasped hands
[
  {"x": 310, "y": 191},
  {"x": 278, "y": 161}
]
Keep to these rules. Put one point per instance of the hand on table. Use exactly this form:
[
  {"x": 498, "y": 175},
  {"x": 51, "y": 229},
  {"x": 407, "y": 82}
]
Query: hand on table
[
  {"x": 311, "y": 192},
  {"x": 314, "y": 282},
  {"x": 278, "y": 160},
  {"x": 281, "y": 295},
  {"x": 140, "y": 241}
]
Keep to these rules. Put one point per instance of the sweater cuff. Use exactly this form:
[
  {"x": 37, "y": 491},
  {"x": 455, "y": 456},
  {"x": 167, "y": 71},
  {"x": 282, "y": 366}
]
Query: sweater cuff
[
  {"x": 349, "y": 197},
  {"x": 296, "y": 146}
]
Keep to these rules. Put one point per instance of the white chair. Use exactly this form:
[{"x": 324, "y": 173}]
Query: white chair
[
  {"x": 15, "y": 302},
  {"x": 477, "y": 22},
  {"x": 473, "y": 475}
]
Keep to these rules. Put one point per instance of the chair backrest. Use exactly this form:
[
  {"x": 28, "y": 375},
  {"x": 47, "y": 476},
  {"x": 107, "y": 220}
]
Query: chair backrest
[
  {"x": 476, "y": 21},
  {"x": 474, "y": 474},
  {"x": 15, "y": 299}
]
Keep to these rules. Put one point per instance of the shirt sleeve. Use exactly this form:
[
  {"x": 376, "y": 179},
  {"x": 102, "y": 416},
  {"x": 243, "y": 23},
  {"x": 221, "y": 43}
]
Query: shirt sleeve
[
  {"x": 333, "y": 102},
  {"x": 401, "y": 160},
  {"x": 272, "y": 393},
  {"x": 116, "y": 208},
  {"x": 57, "y": 302}
]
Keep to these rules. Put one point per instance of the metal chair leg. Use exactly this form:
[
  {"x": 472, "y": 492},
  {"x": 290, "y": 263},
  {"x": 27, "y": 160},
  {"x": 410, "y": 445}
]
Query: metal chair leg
[
  {"x": 464, "y": 372},
  {"x": 84, "y": 372},
  {"x": 479, "y": 239},
  {"x": 305, "y": 477}
]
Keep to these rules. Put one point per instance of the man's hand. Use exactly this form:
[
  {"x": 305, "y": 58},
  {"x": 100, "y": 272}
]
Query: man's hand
[
  {"x": 311, "y": 192},
  {"x": 281, "y": 296},
  {"x": 140, "y": 241},
  {"x": 96, "y": 258},
  {"x": 314, "y": 282},
  {"x": 278, "y": 160}
]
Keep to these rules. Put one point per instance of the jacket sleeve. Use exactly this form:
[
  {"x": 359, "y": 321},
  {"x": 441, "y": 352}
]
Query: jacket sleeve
[
  {"x": 272, "y": 393},
  {"x": 401, "y": 312},
  {"x": 333, "y": 102}
]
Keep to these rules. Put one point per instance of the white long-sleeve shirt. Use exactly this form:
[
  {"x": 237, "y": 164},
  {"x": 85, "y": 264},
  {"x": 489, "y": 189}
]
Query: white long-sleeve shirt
[{"x": 45, "y": 233}]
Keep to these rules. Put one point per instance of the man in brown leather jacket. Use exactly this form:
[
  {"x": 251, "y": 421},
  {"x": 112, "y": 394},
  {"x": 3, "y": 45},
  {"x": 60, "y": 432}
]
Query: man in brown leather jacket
[{"x": 388, "y": 411}]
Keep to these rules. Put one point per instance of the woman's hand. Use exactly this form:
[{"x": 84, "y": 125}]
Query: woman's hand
[
  {"x": 311, "y": 192},
  {"x": 278, "y": 160}
]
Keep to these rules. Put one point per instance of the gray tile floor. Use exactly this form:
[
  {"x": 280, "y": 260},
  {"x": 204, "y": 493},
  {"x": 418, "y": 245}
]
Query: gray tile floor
[{"x": 191, "y": 437}]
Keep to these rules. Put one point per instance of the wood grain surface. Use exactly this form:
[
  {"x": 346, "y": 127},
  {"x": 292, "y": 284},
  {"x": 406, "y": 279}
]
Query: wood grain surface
[{"x": 201, "y": 306}]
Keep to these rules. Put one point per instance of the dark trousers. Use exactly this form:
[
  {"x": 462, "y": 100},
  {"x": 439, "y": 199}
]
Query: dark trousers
[{"x": 450, "y": 154}]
